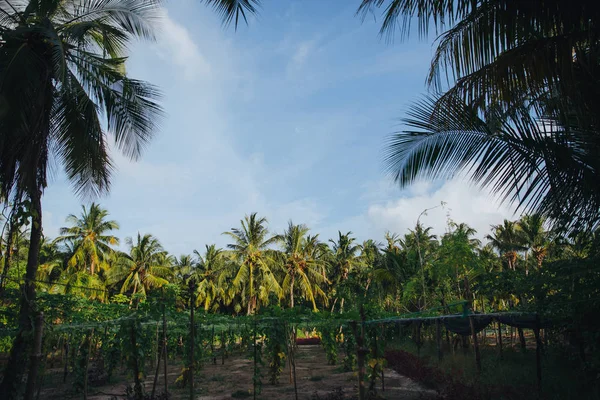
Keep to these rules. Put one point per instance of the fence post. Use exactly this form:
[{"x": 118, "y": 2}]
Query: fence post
[
  {"x": 135, "y": 363},
  {"x": 500, "y": 340},
  {"x": 383, "y": 356},
  {"x": 87, "y": 364},
  {"x": 438, "y": 338},
  {"x": 475, "y": 343},
  {"x": 361, "y": 352},
  {"x": 192, "y": 339},
  {"x": 538, "y": 354},
  {"x": 36, "y": 357},
  {"x": 66, "y": 354},
  {"x": 165, "y": 347},
  {"x": 254, "y": 377},
  {"x": 161, "y": 350}
]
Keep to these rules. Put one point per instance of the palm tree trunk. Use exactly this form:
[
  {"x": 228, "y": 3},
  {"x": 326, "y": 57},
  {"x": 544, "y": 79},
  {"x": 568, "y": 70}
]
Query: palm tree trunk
[
  {"x": 17, "y": 361},
  {"x": 250, "y": 298},
  {"x": 292, "y": 292},
  {"x": 8, "y": 252}
]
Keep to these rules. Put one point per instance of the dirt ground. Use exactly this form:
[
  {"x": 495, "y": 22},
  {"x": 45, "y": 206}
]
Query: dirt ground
[
  {"x": 219, "y": 382},
  {"x": 313, "y": 375}
]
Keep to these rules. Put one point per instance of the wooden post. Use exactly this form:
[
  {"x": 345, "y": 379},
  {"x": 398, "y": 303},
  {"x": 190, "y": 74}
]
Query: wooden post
[
  {"x": 138, "y": 390},
  {"x": 36, "y": 357},
  {"x": 293, "y": 360},
  {"x": 165, "y": 349},
  {"x": 66, "y": 369},
  {"x": 475, "y": 343},
  {"x": 156, "y": 372},
  {"x": 87, "y": 365},
  {"x": 418, "y": 340},
  {"x": 383, "y": 355},
  {"x": 255, "y": 371},
  {"x": 522, "y": 339},
  {"x": 438, "y": 339},
  {"x": 361, "y": 351},
  {"x": 212, "y": 346},
  {"x": 192, "y": 340},
  {"x": 500, "y": 340},
  {"x": 538, "y": 354}
]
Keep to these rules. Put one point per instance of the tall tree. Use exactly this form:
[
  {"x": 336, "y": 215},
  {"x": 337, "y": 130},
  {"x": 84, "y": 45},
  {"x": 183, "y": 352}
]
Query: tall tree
[
  {"x": 508, "y": 240},
  {"x": 62, "y": 68},
  {"x": 535, "y": 237},
  {"x": 303, "y": 272},
  {"x": 210, "y": 266},
  {"x": 88, "y": 237},
  {"x": 146, "y": 266},
  {"x": 254, "y": 260},
  {"x": 345, "y": 259}
]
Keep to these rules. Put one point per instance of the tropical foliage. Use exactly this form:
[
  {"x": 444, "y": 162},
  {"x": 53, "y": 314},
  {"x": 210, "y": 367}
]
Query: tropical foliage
[{"x": 258, "y": 267}]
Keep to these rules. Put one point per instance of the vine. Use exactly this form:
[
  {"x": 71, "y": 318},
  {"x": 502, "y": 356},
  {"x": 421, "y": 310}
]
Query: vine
[
  {"x": 330, "y": 344},
  {"x": 275, "y": 346}
]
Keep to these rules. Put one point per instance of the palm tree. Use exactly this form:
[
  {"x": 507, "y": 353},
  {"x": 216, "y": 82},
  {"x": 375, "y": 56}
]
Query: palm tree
[
  {"x": 535, "y": 237},
  {"x": 254, "y": 261},
  {"x": 345, "y": 258},
  {"x": 524, "y": 129},
  {"x": 369, "y": 260},
  {"x": 88, "y": 236},
  {"x": 299, "y": 265},
  {"x": 209, "y": 267},
  {"x": 186, "y": 268},
  {"x": 146, "y": 266},
  {"x": 63, "y": 80},
  {"x": 508, "y": 240},
  {"x": 393, "y": 242}
]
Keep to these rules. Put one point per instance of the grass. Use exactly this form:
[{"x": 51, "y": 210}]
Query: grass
[{"x": 514, "y": 375}]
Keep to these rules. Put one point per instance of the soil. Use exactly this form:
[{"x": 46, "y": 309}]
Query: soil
[{"x": 221, "y": 381}]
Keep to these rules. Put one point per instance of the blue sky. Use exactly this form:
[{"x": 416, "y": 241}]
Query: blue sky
[{"x": 287, "y": 117}]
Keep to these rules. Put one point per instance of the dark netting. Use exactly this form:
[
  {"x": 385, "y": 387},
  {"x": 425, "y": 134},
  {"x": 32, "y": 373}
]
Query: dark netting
[{"x": 462, "y": 326}]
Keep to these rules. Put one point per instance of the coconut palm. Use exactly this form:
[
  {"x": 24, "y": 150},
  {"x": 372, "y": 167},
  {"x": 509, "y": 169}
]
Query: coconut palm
[
  {"x": 508, "y": 240},
  {"x": 523, "y": 128},
  {"x": 89, "y": 239},
  {"x": 64, "y": 88},
  {"x": 254, "y": 260},
  {"x": 186, "y": 268},
  {"x": 393, "y": 242},
  {"x": 209, "y": 268},
  {"x": 146, "y": 266},
  {"x": 345, "y": 259},
  {"x": 535, "y": 237},
  {"x": 303, "y": 273}
]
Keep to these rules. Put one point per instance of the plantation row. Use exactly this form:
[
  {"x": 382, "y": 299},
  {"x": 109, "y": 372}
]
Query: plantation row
[{"x": 521, "y": 266}]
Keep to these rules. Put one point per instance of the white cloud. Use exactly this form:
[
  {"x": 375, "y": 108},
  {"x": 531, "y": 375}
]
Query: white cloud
[
  {"x": 463, "y": 203},
  {"x": 176, "y": 45}
]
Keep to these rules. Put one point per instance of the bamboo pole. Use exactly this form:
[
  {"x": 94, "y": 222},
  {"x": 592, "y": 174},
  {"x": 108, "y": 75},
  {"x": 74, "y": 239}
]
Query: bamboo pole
[{"x": 36, "y": 357}]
